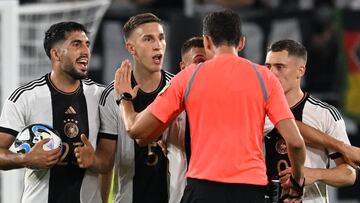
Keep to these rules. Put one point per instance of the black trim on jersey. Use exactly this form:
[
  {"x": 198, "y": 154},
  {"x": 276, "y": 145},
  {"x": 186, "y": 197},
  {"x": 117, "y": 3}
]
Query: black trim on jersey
[
  {"x": 168, "y": 75},
  {"x": 333, "y": 111},
  {"x": 29, "y": 86},
  {"x": 107, "y": 136},
  {"x": 335, "y": 155},
  {"x": 301, "y": 102},
  {"x": 88, "y": 81},
  {"x": 9, "y": 131},
  {"x": 106, "y": 93}
]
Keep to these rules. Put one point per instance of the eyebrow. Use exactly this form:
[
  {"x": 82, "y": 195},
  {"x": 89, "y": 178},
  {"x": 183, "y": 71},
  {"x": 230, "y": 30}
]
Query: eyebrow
[
  {"x": 80, "y": 41},
  {"x": 152, "y": 35},
  {"x": 275, "y": 64}
]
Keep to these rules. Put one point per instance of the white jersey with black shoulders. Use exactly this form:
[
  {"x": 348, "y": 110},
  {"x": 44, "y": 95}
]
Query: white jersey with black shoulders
[
  {"x": 321, "y": 116},
  {"x": 71, "y": 114},
  {"x": 144, "y": 174}
]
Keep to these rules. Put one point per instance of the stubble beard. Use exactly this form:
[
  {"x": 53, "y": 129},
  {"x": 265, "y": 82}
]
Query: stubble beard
[{"x": 76, "y": 74}]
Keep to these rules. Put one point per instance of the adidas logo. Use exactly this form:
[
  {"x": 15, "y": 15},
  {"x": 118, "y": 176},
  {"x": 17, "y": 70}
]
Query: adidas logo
[{"x": 70, "y": 110}]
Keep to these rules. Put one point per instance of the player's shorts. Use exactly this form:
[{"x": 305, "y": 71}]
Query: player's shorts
[{"x": 203, "y": 191}]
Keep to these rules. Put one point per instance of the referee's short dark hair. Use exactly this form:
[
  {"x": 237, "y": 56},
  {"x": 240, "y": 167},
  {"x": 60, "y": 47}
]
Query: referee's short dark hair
[
  {"x": 293, "y": 48},
  {"x": 224, "y": 27},
  {"x": 57, "y": 32},
  {"x": 137, "y": 20},
  {"x": 190, "y": 43}
]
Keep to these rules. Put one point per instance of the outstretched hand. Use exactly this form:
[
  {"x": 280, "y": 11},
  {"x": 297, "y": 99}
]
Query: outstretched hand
[
  {"x": 123, "y": 80},
  {"x": 39, "y": 158},
  {"x": 85, "y": 154}
]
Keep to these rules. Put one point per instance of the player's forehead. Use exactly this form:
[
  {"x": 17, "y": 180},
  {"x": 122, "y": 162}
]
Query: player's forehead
[
  {"x": 197, "y": 50},
  {"x": 148, "y": 29},
  {"x": 76, "y": 36},
  {"x": 277, "y": 57},
  {"x": 193, "y": 52}
]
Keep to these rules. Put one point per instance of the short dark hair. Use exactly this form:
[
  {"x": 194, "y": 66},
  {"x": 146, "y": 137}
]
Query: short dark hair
[
  {"x": 190, "y": 43},
  {"x": 57, "y": 32},
  {"x": 137, "y": 20},
  {"x": 293, "y": 48},
  {"x": 224, "y": 27}
]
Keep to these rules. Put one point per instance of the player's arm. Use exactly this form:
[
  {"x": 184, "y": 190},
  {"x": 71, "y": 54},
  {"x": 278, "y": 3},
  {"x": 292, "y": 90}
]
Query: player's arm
[
  {"x": 339, "y": 176},
  {"x": 143, "y": 126},
  {"x": 105, "y": 185},
  {"x": 318, "y": 139},
  {"x": 8, "y": 159},
  {"x": 295, "y": 147},
  {"x": 36, "y": 158},
  {"x": 101, "y": 160}
]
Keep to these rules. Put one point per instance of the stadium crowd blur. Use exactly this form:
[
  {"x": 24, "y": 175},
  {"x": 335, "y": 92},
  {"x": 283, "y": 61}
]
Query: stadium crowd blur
[{"x": 321, "y": 25}]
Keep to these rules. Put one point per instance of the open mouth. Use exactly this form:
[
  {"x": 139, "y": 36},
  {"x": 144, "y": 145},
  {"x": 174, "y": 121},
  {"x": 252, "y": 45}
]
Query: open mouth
[
  {"x": 83, "y": 62},
  {"x": 157, "y": 58}
]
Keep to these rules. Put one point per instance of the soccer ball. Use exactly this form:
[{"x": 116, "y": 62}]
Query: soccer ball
[{"x": 32, "y": 134}]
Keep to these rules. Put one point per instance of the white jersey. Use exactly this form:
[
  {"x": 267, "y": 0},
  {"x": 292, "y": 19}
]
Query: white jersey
[
  {"x": 321, "y": 116},
  {"x": 132, "y": 184},
  {"x": 71, "y": 115}
]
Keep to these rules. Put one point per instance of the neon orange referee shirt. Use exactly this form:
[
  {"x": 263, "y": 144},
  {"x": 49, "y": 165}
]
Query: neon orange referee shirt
[{"x": 226, "y": 110}]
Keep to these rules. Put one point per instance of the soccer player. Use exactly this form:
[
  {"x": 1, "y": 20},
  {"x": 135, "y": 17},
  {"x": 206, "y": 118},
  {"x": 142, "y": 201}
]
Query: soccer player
[
  {"x": 287, "y": 60},
  {"x": 192, "y": 51},
  {"x": 142, "y": 171},
  {"x": 66, "y": 100},
  {"x": 226, "y": 99}
]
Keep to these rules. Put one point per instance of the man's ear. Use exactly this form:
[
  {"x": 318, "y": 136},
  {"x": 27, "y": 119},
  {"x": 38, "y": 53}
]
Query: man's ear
[
  {"x": 208, "y": 44},
  {"x": 130, "y": 47},
  {"x": 55, "y": 53},
  {"x": 182, "y": 65},
  {"x": 241, "y": 43},
  {"x": 302, "y": 70}
]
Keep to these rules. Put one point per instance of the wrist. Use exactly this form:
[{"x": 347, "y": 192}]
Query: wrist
[
  {"x": 124, "y": 96},
  {"x": 343, "y": 148},
  {"x": 23, "y": 160}
]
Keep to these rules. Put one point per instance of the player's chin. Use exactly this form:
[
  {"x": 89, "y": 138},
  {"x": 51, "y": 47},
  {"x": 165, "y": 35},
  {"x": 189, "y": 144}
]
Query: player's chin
[
  {"x": 80, "y": 75},
  {"x": 156, "y": 67}
]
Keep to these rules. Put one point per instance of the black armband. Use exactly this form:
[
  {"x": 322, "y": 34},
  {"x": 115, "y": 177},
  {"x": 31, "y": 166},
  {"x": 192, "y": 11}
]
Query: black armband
[
  {"x": 335, "y": 155},
  {"x": 357, "y": 179}
]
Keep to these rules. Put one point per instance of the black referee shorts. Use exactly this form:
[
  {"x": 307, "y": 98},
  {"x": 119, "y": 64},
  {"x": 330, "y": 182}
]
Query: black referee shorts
[{"x": 203, "y": 191}]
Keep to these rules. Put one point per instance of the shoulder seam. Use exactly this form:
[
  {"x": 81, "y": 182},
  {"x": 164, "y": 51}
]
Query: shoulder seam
[
  {"x": 88, "y": 81},
  {"x": 106, "y": 93},
  {"x": 29, "y": 86},
  {"x": 332, "y": 110}
]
